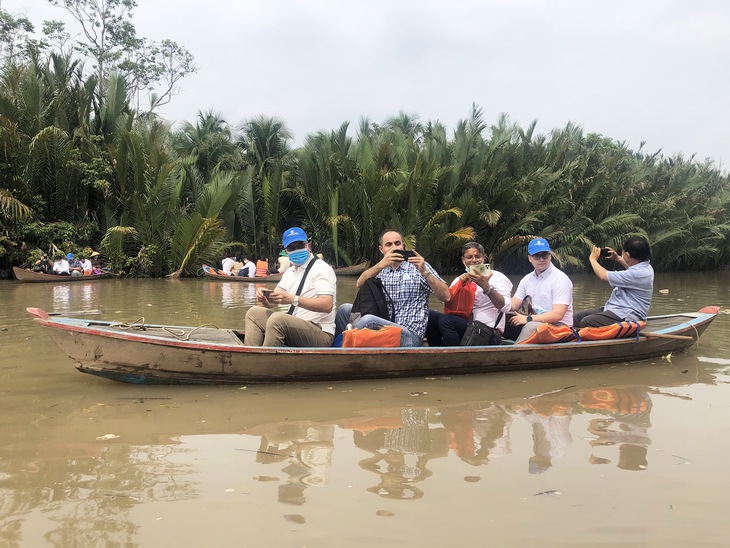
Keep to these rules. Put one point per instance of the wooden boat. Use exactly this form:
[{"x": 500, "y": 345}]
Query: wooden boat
[
  {"x": 163, "y": 354},
  {"x": 354, "y": 270},
  {"x": 24, "y": 275},
  {"x": 215, "y": 273}
]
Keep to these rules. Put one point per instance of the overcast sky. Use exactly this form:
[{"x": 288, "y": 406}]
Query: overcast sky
[{"x": 633, "y": 70}]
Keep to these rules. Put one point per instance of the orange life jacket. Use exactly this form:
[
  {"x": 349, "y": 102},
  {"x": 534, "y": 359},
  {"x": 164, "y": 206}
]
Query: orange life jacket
[
  {"x": 387, "y": 336},
  {"x": 547, "y": 333},
  {"x": 617, "y": 330},
  {"x": 262, "y": 269}
]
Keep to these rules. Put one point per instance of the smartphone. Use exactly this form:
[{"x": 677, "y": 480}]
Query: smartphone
[
  {"x": 479, "y": 269},
  {"x": 267, "y": 292},
  {"x": 605, "y": 252},
  {"x": 407, "y": 254}
]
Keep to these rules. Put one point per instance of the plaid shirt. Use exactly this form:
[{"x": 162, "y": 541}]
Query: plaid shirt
[{"x": 410, "y": 292}]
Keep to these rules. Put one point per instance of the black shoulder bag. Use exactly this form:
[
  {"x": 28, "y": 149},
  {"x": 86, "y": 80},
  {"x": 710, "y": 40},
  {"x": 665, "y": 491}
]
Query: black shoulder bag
[
  {"x": 301, "y": 284},
  {"x": 480, "y": 334},
  {"x": 372, "y": 298}
]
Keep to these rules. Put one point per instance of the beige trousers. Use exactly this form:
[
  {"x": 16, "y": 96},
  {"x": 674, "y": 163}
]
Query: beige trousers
[{"x": 269, "y": 327}]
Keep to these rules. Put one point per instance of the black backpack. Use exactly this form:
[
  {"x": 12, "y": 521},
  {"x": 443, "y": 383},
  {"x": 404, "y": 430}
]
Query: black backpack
[{"x": 372, "y": 298}]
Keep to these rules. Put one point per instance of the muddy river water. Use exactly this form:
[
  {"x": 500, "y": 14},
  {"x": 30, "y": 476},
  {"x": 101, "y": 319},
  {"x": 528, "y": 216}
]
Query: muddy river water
[{"x": 628, "y": 454}]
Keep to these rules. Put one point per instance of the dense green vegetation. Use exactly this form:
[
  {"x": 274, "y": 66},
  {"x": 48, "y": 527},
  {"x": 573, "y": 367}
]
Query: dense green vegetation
[{"x": 81, "y": 165}]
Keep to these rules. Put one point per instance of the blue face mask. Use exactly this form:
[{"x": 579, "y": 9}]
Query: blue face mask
[{"x": 299, "y": 257}]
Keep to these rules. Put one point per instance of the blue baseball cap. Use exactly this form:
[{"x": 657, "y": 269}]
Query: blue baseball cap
[
  {"x": 294, "y": 234},
  {"x": 70, "y": 256},
  {"x": 538, "y": 245}
]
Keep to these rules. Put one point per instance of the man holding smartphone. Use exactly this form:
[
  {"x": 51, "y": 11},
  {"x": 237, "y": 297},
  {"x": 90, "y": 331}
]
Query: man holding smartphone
[
  {"x": 632, "y": 287},
  {"x": 309, "y": 290},
  {"x": 409, "y": 281}
]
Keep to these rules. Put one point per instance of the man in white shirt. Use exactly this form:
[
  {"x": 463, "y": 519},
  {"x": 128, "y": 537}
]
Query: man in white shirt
[
  {"x": 310, "y": 319},
  {"x": 228, "y": 264},
  {"x": 549, "y": 288},
  {"x": 249, "y": 268},
  {"x": 60, "y": 266}
]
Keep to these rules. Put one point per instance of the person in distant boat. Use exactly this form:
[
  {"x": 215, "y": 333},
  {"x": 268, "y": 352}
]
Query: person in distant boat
[
  {"x": 283, "y": 261},
  {"x": 60, "y": 265},
  {"x": 493, "y": 291},
  {"x": 550, "y": 290},
  {"x": 228, "y": 263},
  {"x": 96, "y": 263},
  {"x": 249, "y": 268},
  {"x": 44, "y": 264},
  {"x": 309, "y": 289},
  {"x": 632, "y": 287},
  {"x": 86, "y": 266},
  {"x": 262, "y": 267},
  {"x": 409, "y": 282},
  {"x": 74, "y": 265}
]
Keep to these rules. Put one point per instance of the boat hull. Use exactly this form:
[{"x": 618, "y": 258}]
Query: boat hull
[{"x": 180, "y": 355}]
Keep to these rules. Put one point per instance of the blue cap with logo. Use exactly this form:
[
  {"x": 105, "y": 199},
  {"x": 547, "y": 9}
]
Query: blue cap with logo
[
  {"x": 294, "y": 234},
  {"x": 538, "y": 245},
  {"x": 69, "y": 256}
]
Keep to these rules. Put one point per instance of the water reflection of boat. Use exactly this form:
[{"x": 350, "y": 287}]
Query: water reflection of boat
[{"x": 165, "y": 354}]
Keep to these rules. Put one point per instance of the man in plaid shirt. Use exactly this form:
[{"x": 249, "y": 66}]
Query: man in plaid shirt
[{"x": 408, "y": 282}]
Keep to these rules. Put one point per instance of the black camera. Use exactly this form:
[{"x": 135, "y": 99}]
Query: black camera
[{"x": 605, "y": 252}]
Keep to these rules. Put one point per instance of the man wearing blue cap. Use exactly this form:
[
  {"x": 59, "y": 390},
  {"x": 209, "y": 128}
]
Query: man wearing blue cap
[
  {"x": 310, "y": 318},
  {"x": 549, "y": 288}
]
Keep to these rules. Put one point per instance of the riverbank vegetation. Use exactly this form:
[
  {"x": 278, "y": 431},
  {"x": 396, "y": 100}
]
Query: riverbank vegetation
[{"x": 81, "y": 164}]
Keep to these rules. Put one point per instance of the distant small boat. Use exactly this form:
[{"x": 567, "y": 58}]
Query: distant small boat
[
  {"x": 354, "y": 270},
  {"x": 215, "y": 273},
  {"x": 25, "y": 275}
]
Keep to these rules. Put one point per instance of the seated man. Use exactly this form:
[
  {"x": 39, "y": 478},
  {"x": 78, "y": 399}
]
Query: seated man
[
  {"x": 310, "y": 320},
  {"x": 74, "y": 265},
  {"x": 228, "y": 264},
  {"x": 492, "y": 296},
  {"x": 44, "y": 264},
  {"x": 550, "y": 290},
  {"x": 408, "y": 282},
  {"x": 632, "y": 288},
  {"x": 86, "y": 265},
  {"x": 60, "y": 265},
  {"x": 249, "y": 268}
]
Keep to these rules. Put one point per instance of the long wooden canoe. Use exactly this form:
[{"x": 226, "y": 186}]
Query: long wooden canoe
[
  {"x": 24, "y": 275},
  {"x": 163, "y": 354},
  {"x": 217, "y": 274}
]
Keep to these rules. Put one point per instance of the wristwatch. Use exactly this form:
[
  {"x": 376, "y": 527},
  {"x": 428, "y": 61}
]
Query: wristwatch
[
  {"x": 295, "y": 302},
  {"x": 529, "y": 318},
  {"x": 489, "y": 291}
]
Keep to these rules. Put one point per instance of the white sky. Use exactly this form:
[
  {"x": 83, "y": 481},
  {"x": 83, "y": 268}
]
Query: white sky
[{"x": 633, "y": 70}]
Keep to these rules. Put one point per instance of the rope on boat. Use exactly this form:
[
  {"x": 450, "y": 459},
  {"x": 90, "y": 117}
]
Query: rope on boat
[{"x": 179, "y": 334}]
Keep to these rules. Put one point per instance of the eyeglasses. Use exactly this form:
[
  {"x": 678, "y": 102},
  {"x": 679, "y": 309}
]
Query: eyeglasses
[
  {"x": 541, "y": 256},
  {"x": 295, "y": 246}
]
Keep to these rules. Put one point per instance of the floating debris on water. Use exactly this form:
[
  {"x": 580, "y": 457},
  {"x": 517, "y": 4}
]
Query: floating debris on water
[{"x": 550, "y": 492}]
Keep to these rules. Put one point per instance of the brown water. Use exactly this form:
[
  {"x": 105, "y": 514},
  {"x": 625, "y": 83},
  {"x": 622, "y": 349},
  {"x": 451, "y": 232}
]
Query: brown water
[{"x": 617, "y": 455}]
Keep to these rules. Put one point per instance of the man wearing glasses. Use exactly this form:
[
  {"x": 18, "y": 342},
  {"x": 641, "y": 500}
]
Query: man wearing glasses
[
  {"x": 310, "y": 318},
  {"x": 549, "y": 288}
]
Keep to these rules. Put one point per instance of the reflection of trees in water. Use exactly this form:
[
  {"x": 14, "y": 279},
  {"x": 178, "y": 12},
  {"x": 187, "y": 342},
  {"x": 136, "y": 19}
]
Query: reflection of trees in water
[{"x": 88, "y": 493}]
